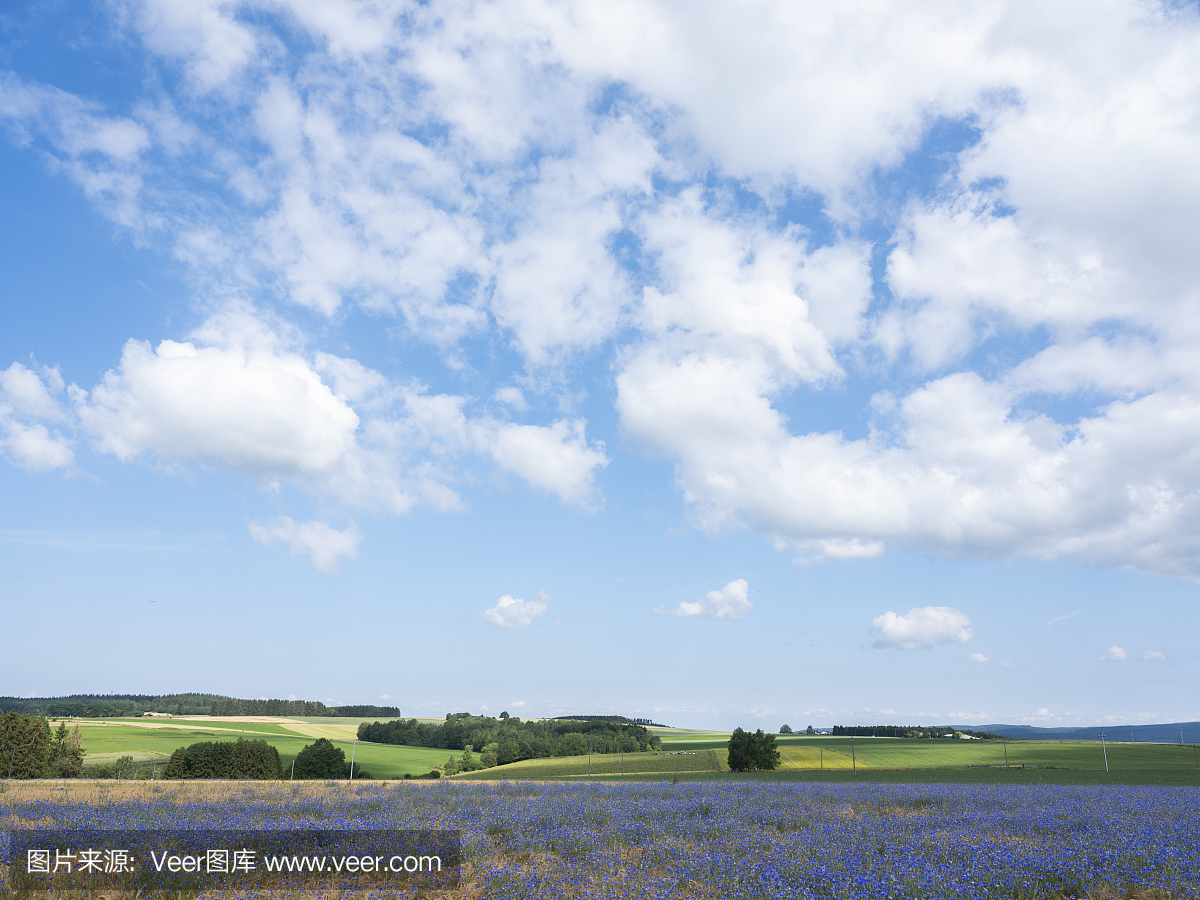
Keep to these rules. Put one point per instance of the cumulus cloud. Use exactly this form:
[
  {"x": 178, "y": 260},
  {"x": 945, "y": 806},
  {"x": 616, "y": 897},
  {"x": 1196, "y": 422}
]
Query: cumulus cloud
[
  {"x": 516, "y": 613},
  {"x": 452, "y": 168},
  {"x": 1153, "y": 656},
  {"x": 323, "y": 545},
  {"x": 241, "y": 396},
  {"x": 921, "y": 628},
  {"x": 730, "y": 602},
  {"x": 28, "y": 400},
  {"x": 978, "y": 658},
  {"x": 1113, "y": 654}
]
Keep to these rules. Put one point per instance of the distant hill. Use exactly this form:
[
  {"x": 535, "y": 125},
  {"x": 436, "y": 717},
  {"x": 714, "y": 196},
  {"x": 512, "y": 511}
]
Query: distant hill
[
  {"x": 1158, "y": 734},
  {"x": 105, "y": 706}
]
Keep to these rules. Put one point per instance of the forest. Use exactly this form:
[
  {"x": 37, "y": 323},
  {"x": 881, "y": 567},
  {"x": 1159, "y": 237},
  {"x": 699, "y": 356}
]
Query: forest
[
  {"x": 111, "y": 706},
  {"x": 508, "y": 739}
]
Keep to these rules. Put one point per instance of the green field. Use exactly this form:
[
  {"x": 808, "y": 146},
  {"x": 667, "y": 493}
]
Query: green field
[
  {"x": 661, "y": 765},
  {"x": 148, "y": 740},
  {"x": 153, "y": 739}
]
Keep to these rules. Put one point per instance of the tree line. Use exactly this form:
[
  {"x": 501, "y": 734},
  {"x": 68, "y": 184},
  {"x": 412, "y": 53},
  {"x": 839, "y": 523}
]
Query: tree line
[
  {"x": 647, "y": 722},
  {"x": 907, "y": 731},
  {"x": 97, "y": 706},
  {"x": 111, "y": 706},
  {"x": 228, "y": 706},
  {"x": 500, "y": 741}
]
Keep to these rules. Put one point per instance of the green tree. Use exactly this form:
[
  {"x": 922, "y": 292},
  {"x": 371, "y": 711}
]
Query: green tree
[
  {"x": 740, "y": 756},
  {"x": 24, "y": 745},
  {"x": 225, "y": 759},
  {"x": 785, "y": 729},
  {"x": 322, "y": 760},
  {"x": 468, "y": 763},
  {"x": 574, "y": 744},
  {"x": 490, "y": 755},
  {"x": 64, "y": 757},
  {"x": 765, "y": 756},
  {"x": 810, "y": 730},
  {"x": 752, "y": 752}
]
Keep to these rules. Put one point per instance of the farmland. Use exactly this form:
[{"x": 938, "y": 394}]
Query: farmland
[
  {"x": 659, "y": 764},
  {"x": 720, "y": 839},
  {"x": 153, "y": 739}
]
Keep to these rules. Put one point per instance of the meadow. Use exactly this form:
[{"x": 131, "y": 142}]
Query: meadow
[
  {"x": 737, "y": 839},
  {"x": 153, "y": 740},
  {"x": 657, "y": 764}
]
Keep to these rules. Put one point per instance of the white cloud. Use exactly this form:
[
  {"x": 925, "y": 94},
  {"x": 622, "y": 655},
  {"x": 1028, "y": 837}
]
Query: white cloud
[
  {"x": 25, "y": 397},
  {"x": 556, "y": 458},
  {"x": 324, "y": 546},
  {"x": 517, "y": 704},
  {"x": 1153, "y": 656},
  {"x": 511, "y": 396},
  {"x": 242, "y": 396},
  {"x": 582, "y": 235},
  {"x": 730, "y": 602},
  {"x": 921, "y": 628},
  {"x": 510, "y": 613},
  {"x": 258, "y": 410},
  {"x": 1113, "y": 653},
  {"x": 385, "y": 696},
  {"x": 978, "y": 658}
]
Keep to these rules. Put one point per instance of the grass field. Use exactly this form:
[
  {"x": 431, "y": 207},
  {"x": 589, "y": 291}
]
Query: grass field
[
  {"x": 657, "y": 764},
  {"x": 902, "y": 753},
  {"x": 154, "y": 739}
]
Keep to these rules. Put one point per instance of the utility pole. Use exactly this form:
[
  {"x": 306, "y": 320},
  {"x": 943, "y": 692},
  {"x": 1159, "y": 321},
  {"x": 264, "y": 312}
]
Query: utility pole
[
  {"x": 293, "y": 778},
  {"x": 352, "y": 747},
  {"x": 589, "y": 754},
  {"x": 1104, "y": 751},
  {"x": 853, "y": 759},
  {"x": 1005, "y": 744}
]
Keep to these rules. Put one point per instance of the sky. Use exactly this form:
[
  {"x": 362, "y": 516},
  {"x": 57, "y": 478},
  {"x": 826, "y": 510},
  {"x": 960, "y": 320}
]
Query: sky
[{"x": 719, "y": 363}]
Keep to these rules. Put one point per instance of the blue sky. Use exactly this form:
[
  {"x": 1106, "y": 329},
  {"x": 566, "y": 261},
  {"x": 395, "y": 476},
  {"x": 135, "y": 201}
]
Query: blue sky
[{"x": 721, "y": 364}]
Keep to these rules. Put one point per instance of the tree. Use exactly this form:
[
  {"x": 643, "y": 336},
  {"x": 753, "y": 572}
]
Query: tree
[
  {"x": 123, "y": 767},
  {"x": 739, "y": 751},
  {"x": 504, "y": 715},
  {"x": 810, "y": 730},
  {"x": 468, "y": 763},
  {"x": 574, "y": 744},
  {"x": 227, "y": 759},
  {"x": 24, "y": 744},
  {"x": 489, "y": 756},
  {"x": 64, "y": 758},
  {"x": 785, "y": 729},
  {"x": 752, "y": 752},
  {"x": 765, "y": 756},
  {"x": 322, "y": 760}
]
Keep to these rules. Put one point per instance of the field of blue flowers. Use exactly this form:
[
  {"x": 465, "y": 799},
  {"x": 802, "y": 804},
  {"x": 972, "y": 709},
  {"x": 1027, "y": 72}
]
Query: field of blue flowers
[{"x": 717, "y": 839}]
